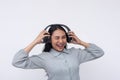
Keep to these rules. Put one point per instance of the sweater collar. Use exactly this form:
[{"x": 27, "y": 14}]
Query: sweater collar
[{"x": 57, "y": 53}]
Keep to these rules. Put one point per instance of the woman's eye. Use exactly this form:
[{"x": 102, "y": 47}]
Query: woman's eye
[
  {"x": 56, "y": 37},
  {"x": 64, "y": 37}
]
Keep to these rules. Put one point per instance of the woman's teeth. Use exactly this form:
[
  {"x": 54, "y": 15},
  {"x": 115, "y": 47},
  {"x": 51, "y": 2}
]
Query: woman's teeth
[{"x": 60, "y": 45}]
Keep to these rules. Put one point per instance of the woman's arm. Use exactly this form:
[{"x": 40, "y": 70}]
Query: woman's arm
[
  {"x": 38, "y": 40},
  {"x": 90, "y": 52},
  {"x": 22, "y": 59}
]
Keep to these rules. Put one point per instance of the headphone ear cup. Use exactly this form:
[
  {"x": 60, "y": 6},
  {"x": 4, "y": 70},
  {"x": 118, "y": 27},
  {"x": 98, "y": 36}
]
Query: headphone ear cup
[
  {"x": 46, "y": 39},
  {"x": 69, "y": 38}
]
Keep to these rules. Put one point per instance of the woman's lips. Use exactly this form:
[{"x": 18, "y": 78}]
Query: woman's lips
[{"x": 60, "y": 45}]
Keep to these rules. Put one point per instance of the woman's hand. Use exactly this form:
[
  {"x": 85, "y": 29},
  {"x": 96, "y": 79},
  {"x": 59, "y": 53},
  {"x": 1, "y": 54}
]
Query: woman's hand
[
  {"x": 76, "y": 40},
  {"x": 40, "y": 37},
  {"x": 37, "y": 40}
]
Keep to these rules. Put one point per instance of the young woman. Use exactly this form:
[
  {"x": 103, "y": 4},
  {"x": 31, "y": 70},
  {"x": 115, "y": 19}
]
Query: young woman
[{"x": 59, "y": 62}]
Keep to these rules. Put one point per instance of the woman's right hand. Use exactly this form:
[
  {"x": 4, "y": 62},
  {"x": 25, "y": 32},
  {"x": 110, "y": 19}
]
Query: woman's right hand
[
  {"x": 40, "y": 37},
  {"x": 37, "y": 40}
]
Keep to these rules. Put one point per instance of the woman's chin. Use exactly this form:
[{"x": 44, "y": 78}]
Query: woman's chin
[{"x": 60, "y": 49}]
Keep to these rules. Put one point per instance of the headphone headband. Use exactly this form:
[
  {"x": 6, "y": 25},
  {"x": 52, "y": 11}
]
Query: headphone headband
[
  {"x": 62, "y": 25},
  {"x": 47, "y": 39}
]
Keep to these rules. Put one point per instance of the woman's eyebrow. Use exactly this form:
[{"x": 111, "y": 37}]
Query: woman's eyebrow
[{"x": 59, "y": 35}]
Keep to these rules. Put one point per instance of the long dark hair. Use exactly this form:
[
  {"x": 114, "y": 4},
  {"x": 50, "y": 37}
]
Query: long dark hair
[{"x": 52, "y": 28}]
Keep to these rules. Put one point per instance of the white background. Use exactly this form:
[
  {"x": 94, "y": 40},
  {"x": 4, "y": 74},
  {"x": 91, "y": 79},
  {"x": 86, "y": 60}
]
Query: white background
[{"x": 95, "y": 21}]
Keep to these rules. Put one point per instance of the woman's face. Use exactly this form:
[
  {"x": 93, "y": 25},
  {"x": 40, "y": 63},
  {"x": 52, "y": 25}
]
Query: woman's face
[{"x": 58, "y": 40}]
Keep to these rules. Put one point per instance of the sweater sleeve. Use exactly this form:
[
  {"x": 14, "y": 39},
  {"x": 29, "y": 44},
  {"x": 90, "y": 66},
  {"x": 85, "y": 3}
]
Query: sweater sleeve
[
  {"x": 90, "y": 53},
  {"x": 22, "y": 60}
]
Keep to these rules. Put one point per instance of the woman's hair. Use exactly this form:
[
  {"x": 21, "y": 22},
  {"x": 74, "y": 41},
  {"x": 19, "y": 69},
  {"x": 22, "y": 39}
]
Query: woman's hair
[{"x": 52, "y": 28}]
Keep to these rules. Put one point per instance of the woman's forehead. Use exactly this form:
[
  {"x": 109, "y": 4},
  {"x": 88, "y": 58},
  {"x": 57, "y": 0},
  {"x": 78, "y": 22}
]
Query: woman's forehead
[{"x": 58, "y": 32}]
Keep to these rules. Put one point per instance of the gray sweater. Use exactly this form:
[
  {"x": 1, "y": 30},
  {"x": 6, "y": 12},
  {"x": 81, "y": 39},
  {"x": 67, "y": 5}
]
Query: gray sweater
[{"x": 58, "y": 65}]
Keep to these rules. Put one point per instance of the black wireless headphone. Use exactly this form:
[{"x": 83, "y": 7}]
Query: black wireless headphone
[{"x": 47, "y": 39}]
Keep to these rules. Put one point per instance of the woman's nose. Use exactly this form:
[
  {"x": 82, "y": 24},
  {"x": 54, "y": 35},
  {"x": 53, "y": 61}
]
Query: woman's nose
[{"x": 60, "y": 40}]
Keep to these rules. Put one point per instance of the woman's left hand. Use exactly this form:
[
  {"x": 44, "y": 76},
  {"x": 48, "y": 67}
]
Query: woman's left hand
[{"x": 75, "y": 39}]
